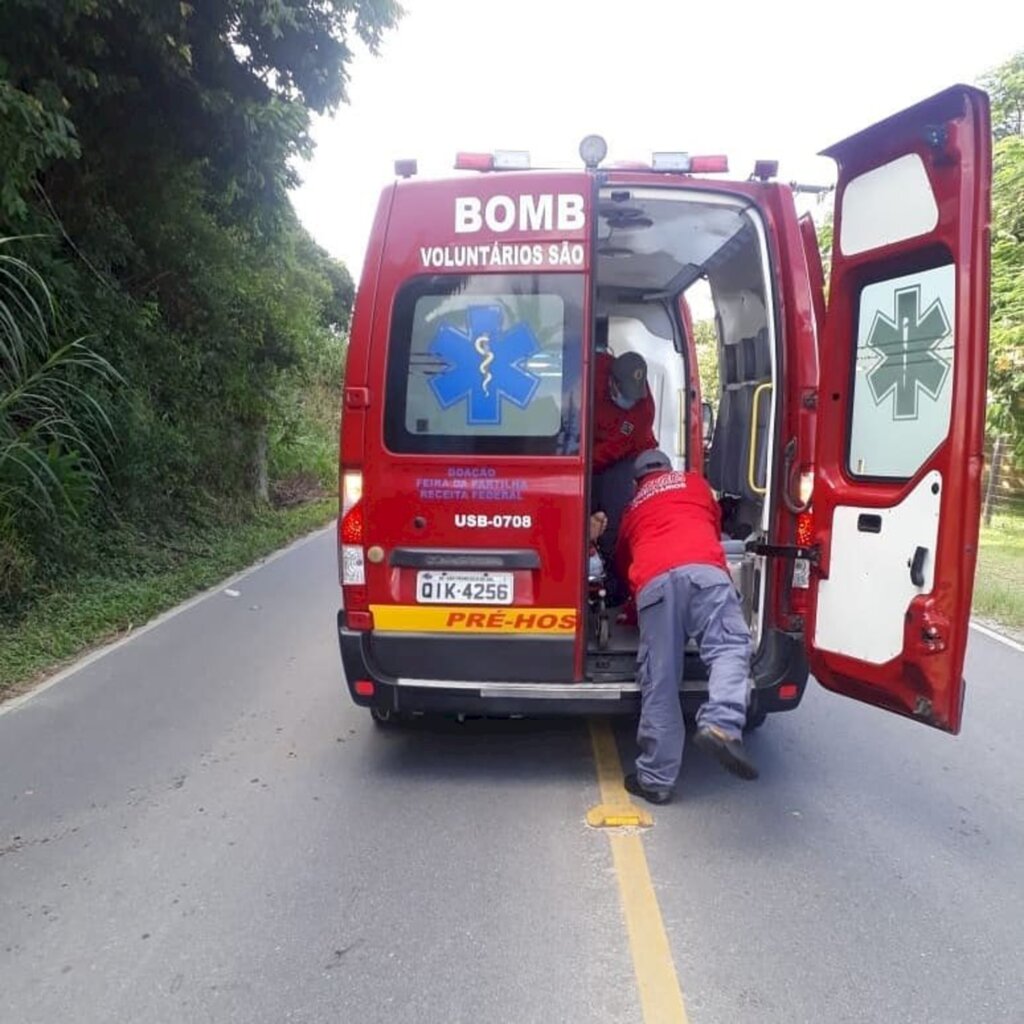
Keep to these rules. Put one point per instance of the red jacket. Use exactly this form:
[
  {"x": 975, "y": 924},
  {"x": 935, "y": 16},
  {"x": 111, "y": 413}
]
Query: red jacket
[
  {"x": 674, "y": 520},
  {"x": 618, "y": 433}
]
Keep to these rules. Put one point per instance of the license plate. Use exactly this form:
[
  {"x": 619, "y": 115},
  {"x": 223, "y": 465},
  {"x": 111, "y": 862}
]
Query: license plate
[
  {"x": 801, "y": 573},
  {"x": 464, "y": 588}
]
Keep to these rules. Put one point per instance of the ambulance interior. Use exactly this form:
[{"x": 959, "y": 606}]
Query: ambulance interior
[{"x": 659, "y": 250}]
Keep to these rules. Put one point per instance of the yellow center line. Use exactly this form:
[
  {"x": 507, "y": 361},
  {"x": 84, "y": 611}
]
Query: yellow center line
[{"x": 661, "y": 998}]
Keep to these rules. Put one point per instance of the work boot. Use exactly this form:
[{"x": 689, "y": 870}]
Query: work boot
[
  {"x": 637, "y": 788},
  {"x": 727, "y": 750}
]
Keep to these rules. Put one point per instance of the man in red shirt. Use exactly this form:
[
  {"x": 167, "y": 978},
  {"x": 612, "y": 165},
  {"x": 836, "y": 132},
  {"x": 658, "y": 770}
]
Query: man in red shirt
[
  {"x": 623, "y": 409},
  {"x": 623, "y": 428},
  {"x": 670, "y": 550}
]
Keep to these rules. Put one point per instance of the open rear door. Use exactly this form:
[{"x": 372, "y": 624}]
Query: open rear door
[{"x": 901, "y": 409}]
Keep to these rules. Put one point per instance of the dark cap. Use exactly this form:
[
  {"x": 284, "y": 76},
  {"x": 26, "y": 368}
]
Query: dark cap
[
  {"x": 630, "y": 373},
  {"x": 654, "y": 460}
]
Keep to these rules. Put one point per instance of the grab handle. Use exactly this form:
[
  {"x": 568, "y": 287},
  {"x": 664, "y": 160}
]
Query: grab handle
[
  {"x": 917, "y": 567},
  {"x": 755, "y": 402}
]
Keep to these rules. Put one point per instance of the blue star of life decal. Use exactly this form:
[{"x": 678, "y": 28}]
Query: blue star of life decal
[{"x": 484, "y": 365}]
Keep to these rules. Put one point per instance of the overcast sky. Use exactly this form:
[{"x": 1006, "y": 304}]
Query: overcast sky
[{"x": 773, "y": 80}]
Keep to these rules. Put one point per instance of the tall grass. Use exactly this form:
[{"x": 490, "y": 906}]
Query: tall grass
[
  {"x": 54, "y": 430},
  {"x": 999, "y": 580}
]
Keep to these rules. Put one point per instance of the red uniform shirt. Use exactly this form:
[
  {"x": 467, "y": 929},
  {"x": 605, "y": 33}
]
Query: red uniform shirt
[
  {"x": 673, "y": 520},
  {"x": 618, "y": 433}
]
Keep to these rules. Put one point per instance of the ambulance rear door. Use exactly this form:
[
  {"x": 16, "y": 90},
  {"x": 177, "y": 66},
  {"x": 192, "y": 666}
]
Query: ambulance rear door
[
  {"x": 901, "y": 409},
  {"x": 475, "y": 494}
]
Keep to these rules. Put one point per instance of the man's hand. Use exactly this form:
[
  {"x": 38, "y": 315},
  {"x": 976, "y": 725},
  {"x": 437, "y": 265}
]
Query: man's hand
[{"x": 598, "y": 524}]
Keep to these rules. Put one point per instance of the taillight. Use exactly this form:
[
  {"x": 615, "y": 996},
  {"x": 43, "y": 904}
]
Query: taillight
[
  {"x": 351, "y": 530},
  {"x": 802, "y": 566},
  {"x": 804, "y": 529},
  {"x": 805, "y": 489},
  {"x": 351, "y": 489},
  {"x": 351, "y": 555},
  {"x": 352, "y": 526}
]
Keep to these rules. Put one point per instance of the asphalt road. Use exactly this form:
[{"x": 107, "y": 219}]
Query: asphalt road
[{"x": 199, "y": 826}]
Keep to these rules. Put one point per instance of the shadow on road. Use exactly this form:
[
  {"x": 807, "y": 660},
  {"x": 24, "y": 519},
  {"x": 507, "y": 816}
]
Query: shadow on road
[
  {"x": 514, "y": 752},
  {"x": 550, "y": 750}
]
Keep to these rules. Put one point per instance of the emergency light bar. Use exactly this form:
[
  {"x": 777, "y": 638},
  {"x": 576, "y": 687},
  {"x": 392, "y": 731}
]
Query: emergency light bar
[
  {"x": 499, "y": 160},
  {"x": 511, "y": 160},
  {"x": 683, "y": 163},
  {"x": 679, "y": 162},
  {"x": 474, "y": 161}
]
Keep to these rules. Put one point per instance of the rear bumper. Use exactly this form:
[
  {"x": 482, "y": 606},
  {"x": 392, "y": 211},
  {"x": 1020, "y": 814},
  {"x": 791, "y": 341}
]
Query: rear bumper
[{"x": 781, "y": 661}]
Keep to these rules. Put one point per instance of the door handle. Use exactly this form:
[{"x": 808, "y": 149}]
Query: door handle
[{"x": 917, "y": 566}]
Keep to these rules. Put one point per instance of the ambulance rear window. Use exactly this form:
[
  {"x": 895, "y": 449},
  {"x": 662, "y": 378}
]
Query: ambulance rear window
[{"x": 486, "y": 364}]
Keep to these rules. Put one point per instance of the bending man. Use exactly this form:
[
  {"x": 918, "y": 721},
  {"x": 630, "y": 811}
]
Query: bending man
[{"x": 669, "y": 548}]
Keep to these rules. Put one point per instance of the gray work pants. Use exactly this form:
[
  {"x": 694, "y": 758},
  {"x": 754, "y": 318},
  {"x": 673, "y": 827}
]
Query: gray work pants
[{"x": 693, "y": 600}]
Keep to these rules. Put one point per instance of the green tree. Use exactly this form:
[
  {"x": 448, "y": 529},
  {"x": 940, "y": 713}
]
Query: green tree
[
  {"x": 705, "y": 339},
  {"x": 826, "y": 232},
  {"x": 1005, "y": 86},
  {"x": 1006, "y": 329},
  {"x": 148, "y": 149},
  {"x": 1006, "y": 332},
  {"x": 227, "y": 83}
]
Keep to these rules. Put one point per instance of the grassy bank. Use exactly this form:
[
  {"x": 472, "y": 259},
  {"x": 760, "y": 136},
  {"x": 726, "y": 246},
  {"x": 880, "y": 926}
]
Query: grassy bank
[
  {"x": 999, "y": 582},
  {"x": 142, "y": 577}
]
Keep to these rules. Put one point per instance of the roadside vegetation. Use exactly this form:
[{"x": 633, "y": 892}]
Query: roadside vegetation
[
  {"x": 171, "y": 337},
  {"x": 999, "y": 581},
  {"x": 134, "y": 575}
]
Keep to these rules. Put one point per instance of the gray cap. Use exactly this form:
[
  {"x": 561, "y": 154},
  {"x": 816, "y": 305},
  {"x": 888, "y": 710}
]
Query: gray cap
[
  {"x": 630, "y": 373},
  {"x": 654, "y": 460}
]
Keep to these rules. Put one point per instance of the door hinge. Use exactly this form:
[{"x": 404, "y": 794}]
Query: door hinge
[{"x": 812, "y": 554}]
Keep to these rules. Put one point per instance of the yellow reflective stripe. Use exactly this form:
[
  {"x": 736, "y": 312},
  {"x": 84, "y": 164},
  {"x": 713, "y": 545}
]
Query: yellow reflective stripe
[{"x": 417, "y": 618}]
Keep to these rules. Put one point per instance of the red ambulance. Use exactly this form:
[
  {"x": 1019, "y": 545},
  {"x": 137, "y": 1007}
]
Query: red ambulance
[{"x": 845, "y": 438}]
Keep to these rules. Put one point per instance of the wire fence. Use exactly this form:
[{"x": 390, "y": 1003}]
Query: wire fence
[
  {"x": 1002, "y": 484},
  {"x": 999, "y": 580}
]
